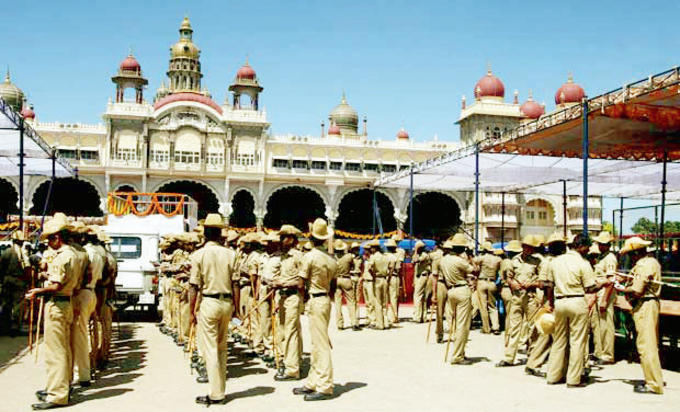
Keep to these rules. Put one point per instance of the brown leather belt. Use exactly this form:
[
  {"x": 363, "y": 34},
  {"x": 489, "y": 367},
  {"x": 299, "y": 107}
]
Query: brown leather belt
[
  {"x": 318, "y": 295},
  {"x": 570, "y": 296},
  {"x": 219, "y": 296}
]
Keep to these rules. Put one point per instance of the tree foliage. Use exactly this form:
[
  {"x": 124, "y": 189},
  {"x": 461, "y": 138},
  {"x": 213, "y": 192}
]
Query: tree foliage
[{"x": 645, "y": 226}]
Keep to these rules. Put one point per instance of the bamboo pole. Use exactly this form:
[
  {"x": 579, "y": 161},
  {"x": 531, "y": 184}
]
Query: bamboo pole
[{"x": 37, "y": 328}]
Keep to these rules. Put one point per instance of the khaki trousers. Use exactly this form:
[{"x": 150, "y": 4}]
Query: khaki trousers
[
  {"x": 607, "y": 332},
  {"x": 420, "y": 294},
  {"x": 58, "y": 319},
  {"x": 185, "y": 312},
  {"x": 460, "y": 298},
  {"x": 369, "y": 300},
  {"x": 320, "y": 376},
  {"x": 540, "y": 351},
  {"x": 442, "y": 298},
  {"x": 106, "y": 317},
  {"x": 506, "y": 295},
  {"x": 84, "y": 304},
  {"x": 522, "y": 306},
  {"x": 488, "y": 292},
  {"x": 165, "y": 287},
  {"x": 380, "y": 302},
  {"x": 245, "y": 303},
  {"x": 393, "y": 310},
  {"x": 646, "y": 318},
  {"x": 263, "y": 333},
  {"x": 571, "y": 328},
  {"x": 289, "y": 331},
  {"x": 347, "y": 289},
  {"x": 211, "y": 338}
]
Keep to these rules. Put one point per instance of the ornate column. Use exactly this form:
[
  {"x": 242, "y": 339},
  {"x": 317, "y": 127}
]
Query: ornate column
[
  {"x": 225, "y": 209},
  {"x": 259, "y": 218},
  {"x": 401, "y": 221}
]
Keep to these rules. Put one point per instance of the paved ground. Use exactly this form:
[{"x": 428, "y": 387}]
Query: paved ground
[{"x": 391, "y": 370}]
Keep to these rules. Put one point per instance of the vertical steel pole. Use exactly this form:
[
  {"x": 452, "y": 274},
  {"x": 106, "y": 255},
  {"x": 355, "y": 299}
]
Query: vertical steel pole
[
  {"x": 663, "y": 202},
  {"x": 656, "y": 230},
  {"x": 621, "y": 225},
  {"x": 564, "y": 206},
  {"x": 503, "y": 220},
  {"x": 476, "y": 198},
  {"x": 373, "y": 208},
  {"x": 585, "y": 155},
  {"x": 21, "y": 174},
  {"x": 410, "y": 211}
]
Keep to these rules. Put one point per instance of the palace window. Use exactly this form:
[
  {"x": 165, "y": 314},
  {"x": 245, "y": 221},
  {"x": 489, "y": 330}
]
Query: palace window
[
  {"x": 389, "y": 168},
  {"x": 353, "y": 167},
  {"x": 281, "y": 163},
  {"x": 300, "y": 164},
  {"x": 404, "y": 167},
  {"x": 68, "y": 153},
  {"x": 187, "y": 157},
  {"x": 127, "y": 154},
  {"x": 160, "y": 156},
  {"x": 336, "y": 166},
  {"x": 371, "y": 167},
  {"x": 318, "y": 165},
  {"x": 246, "y": 159},
  {"x": 215, "y": 158},
  {"x": 89, "y": 155}
]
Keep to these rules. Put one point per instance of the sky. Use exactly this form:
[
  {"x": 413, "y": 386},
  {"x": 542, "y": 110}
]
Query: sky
[{"x": 400, "y": 62}]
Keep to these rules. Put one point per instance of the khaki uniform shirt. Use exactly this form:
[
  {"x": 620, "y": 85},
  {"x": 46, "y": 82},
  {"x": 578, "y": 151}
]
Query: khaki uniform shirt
[
  {"x": 422, "y": 263},
  {"x": 571, "y": 274},
  {"x": 345, "y": 263},
  {"x": 506, "y": 266},
  {"x": 62, "y": 270},
  {"x": 368, "y": 269},
  {"x": 523, "y": 270},
  {"x": 97, "y": 257},
  {"x": 453, "y": 270},
  {"x": 291, "y": 265},
  {"x": 319, "y": 269},
  {"x": 213, "y": 269},
  {"x": 606, "y": 265},
  {"x": 357, "y": 261},
  {"x": 489, "y": 265},
  {"x": 271, "y": 266},
  {"x": 645, "y": 271},
  {"x": 393, "y": 262},
  {"x": 435, "y": 257},
  {"x": 380, "y": 265},
  {"x": 82, "y": 264}
]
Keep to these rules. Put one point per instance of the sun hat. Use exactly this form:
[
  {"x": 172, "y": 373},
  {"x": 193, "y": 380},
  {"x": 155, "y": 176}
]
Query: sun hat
[
  {"x": 634, "y": 243},
  {"x": 320, "y": 230},
  {"x": 214, "y": 220}
]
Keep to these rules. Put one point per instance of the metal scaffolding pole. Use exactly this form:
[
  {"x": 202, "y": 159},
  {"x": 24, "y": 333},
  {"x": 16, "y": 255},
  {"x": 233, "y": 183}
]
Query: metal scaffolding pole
[
  {"x": 621, "y": 224},
  {"x": 503, "y": 220},
  {"x": 476, "y": 198},
  {"x": 663, "y": 202},
  {"x": 374, "y": 212},
  {"x": 564, "y": 206},
  {"x": 21, "y": 174},
  {"x": 585, "y": 155},
  {"x": 410, "y": 211}
]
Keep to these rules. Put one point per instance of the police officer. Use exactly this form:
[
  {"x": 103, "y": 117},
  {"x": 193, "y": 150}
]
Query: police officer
[
  {"x": 487, "y": 291},
  {"x": 346, "y": 288}
]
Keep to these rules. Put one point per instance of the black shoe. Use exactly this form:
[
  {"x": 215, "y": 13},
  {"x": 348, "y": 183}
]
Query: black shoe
[
  {"x": 316, "y": 396},
  {"x": 600, "y": 362},
  {"x": 534, "y": 372},
  {"x": 496, "y": 332},
  {"x": 268, "y": 358},
  {"x": 205, "y": 400},
  {"x": 644, "y": 389},
  {"x": 577, "y": 385},
  {"x": 303, "y": 390},
  {"x": 464, "y": 362},
  {"x": 503, "y": 364},
  {"x": 41, "y": 395},
  {"x": 46, "y": 405},
  {"x": 356, "y": 328},
  {"x": 84, "y": 384},
  {"x": 283, "y": 377},
  {"x": 440, "y": 338},
  {"x": 559, "y": 382},
  {"x": 202, "y": 379}
]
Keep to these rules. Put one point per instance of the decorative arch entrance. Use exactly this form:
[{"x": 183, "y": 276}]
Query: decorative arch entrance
[
  {"x": 435, "y": 216},
  {"x": 72, "y": 196},
  {"x": 202, "y": 194},
  {"x": 355, "y": 212},
  {"x": 293, "y": 205},
  {"x": 242, "y": 206},
  {"x": 8, "y": 200}
]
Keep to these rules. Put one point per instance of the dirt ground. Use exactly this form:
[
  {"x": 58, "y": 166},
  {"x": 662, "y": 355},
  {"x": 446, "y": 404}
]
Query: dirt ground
[{"x": 392, "y": 370}]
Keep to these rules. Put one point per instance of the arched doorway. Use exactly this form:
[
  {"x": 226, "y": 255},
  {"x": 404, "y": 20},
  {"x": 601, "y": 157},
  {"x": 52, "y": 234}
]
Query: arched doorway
[
  {"x": 355, "y": 213},
  {"x": 242, "y": 206},
  {"x": 126, "y": 189},
  {"x": 202, "y": 194},
  {"x": 435, "y": 216},
  {"x": 8, "y": 200},
  {"x": 72, "y": 196},
  {"x": 293, "y": 205}
]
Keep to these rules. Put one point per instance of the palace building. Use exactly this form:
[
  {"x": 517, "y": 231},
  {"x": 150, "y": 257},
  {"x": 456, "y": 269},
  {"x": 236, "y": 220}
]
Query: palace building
[{"x": 226, "y": 158}]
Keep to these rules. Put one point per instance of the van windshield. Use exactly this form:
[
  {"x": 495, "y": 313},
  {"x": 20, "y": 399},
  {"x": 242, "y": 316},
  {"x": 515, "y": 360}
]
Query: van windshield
[{"x": 126, "y": 247}]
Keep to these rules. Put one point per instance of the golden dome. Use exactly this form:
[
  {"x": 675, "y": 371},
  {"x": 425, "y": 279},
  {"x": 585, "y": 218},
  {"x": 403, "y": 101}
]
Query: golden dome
[
  {"x": 11, "y": 94},
  {"x": 186, "y": 24},
  {"x": 186, "y": 49}
]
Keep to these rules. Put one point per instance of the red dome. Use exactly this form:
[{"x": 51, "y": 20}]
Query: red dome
[
  {"x": 245, "y": 72},
  {"x": 27, "y": 112},
  {"x": 130, "y": 63},
  {"x": 489, "y": 86},
  {"x": 402, "y": 134},
  {"x": 532, "y": 110},
  {"x": 187, "y": 97},
  {"x": 334, "y": 129},
  {"x": 570, "y": 92}
]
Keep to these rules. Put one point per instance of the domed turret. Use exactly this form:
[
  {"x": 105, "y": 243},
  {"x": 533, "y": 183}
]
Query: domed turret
[
  {"x": 402, "y": 134},
  {"x": 185, "y": 47},
  {"x": 185, "y": 68},
  {"x": 345, "y": 117},
  {"x": 489, "y": 86},
  {"x": 11, "y": 94},
  {"x": 530, "y": 109},
  {"x": 246, "y": 72},
  {"x": 130, "y": 64},
  {"x": 246, "y": 84},
  {"x": 334, "y": 130},
  {"x": 27, "y": 112},
  {"x": 129, "y": 76},
  {"x": 569, "y": 93}
]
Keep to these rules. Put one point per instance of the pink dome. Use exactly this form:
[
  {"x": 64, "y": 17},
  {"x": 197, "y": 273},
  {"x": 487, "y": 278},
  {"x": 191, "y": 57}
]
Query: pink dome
[
  {"x": 570, "y": 92},
  {"x": 402, "y": 134},
  {"x": 489, "y": 86},
  {"x": 187, "y": 97},
  {"x": 130, "y": 64},
  {"x": 27, "y": 112},
  {"x": 245, "y": 72},
  {"x": 334, "y": 129},
  {"x": 531, "y": 110}
]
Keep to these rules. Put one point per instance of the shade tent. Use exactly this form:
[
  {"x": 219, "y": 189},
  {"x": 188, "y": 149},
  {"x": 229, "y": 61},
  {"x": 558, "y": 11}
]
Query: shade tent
[{"x": 37, "y": 153}]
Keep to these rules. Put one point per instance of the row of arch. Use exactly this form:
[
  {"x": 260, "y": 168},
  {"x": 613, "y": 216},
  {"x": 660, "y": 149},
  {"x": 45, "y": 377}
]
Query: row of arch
[{"x": 435, "y": 214}]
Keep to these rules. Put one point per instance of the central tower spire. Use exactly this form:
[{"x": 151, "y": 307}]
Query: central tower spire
[{"x": 184, "y": 72}]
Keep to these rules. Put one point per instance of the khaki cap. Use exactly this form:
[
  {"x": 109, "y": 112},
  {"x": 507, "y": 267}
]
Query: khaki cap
[
  {"x": 391, "y": 243},
  {"x": 487, "y": 246},
  {"x": 458, "y": 240},
  {"x": 214, "y": 220},
  {"x": 78, "y": 227},
  {"x": 339, "y": 245},
  {"x": 355, "y": 245},
  {"x": 52, "y": 227},
  {"x": 18, "y": 235},
  {"x": 545, "y": 322},
  {"x": 570, "y": 239},
  {"x": 498, "y": 252},
  {"x": 396, "y": 237},
  {"x": 555, "y": 237},
  {"x": 604, "y": 237},
  {"x": 374, "y": 243},
  {"x": 232, "y": 235},
  {"x": 289, "y": 230},
  {"x": 540, "y": 238},
  {"x": 594, "y": 250},
  {"x": 320, "y": 230},
  {"x": 531, "y": 240},
  {"x": 514, "y": 246},
  {"x": 418, "y": 245},
  {"x": 308, "y": 245},
  {"x": 634, "y": 243},
  {"x": 447, "y": 245}
]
